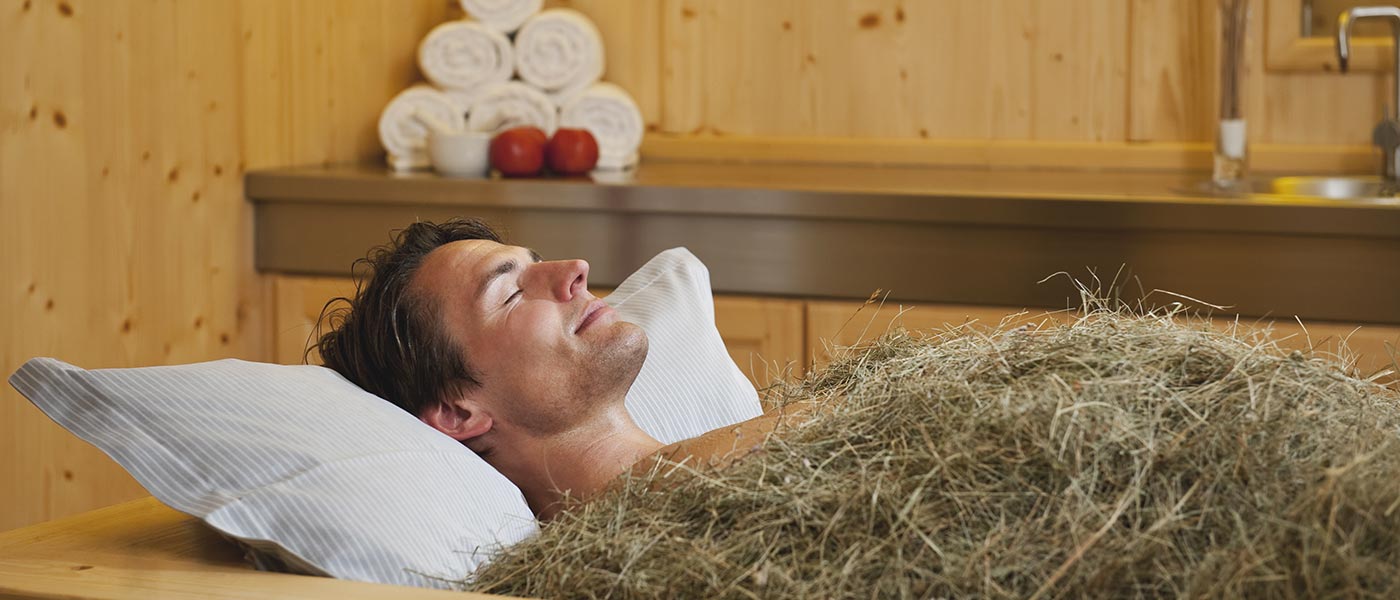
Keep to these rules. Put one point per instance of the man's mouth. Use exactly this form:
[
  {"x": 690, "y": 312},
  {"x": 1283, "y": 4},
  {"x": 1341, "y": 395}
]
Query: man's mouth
[{"x": 591, "y": 312}]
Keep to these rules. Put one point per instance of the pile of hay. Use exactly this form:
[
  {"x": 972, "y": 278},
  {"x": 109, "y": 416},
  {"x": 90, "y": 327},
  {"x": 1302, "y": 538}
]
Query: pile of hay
[{"x": 1123, "y": 455}]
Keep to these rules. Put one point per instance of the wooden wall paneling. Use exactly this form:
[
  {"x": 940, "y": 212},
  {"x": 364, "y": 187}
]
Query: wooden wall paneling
[
  {"x": 855, "y": 85},
  {"x": 43, "y": 175},
  {"x": 1321, "y": 108},
  {"x": 126, "y": 129},
  {"x": 764, "y": 336},
  {"x": 632, "y": 38},
  {"x": 957, "y": 70},
  {"x": 988, "y": 83},
  {"x": 1080, "y": 71},
  {"x": 317, "y": 74},
  {"x": 1308, "y": 107},
  {"x": 787, "y": 79},
  {"x": 683, "y": 58},
  {"x": 873, "y": 68},
  {"x": 1004, "y": 48},
  {"x": 730, "y": 57},
  {"x": 1173, "y": 92},
  {"x": 123, "y": 215}
]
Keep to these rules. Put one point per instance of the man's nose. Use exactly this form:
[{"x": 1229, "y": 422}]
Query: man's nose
[{"x": 570, "y": 279}]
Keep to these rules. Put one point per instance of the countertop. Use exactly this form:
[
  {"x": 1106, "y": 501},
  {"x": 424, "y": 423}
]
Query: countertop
[{"x": 925, "y": 234}]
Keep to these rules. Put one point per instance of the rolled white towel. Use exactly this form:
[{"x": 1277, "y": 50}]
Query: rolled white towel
[
  {"x": 465, "y": 57},
  {"x": 513, "y": 104},
  {"x": 504, "y": 16},
  {"x": 610, "y": 114},
  {"x": 403, "y": 137},
  {"x": 465, "y": 98},
  {"x": 559, "y": 51}
]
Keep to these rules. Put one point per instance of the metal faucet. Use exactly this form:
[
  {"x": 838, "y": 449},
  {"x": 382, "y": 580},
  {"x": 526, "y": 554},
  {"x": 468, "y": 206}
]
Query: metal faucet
[{"x": 1387, "y": 133}]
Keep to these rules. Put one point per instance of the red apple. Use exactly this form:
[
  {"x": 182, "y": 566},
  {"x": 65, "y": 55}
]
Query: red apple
[
  {"x": 571, "y": 152},
  {"x": 537, "y": 133},
  {"x": 518, "y": 152}
]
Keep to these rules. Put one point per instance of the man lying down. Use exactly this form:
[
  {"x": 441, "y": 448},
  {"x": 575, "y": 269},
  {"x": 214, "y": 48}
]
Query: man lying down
[
  {"x": 511, "y": 355},
  {"x": 1120, "y": 455}
]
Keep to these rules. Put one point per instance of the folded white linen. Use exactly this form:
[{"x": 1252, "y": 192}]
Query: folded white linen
[
  {"x": 465, "y": 57},
  {"x": 504, "y": 16},
  {"x": 513, "y": 104},
  {"x": 559, "y": 51},
  {"x": 610, "y": 114},
  {"x": 403, "y": 137}
]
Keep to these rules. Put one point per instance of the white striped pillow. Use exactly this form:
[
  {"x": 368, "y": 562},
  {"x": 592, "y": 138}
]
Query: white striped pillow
[
  {"x": 294, "y": 460},
  {"x": 688, "y": 384},
  {"x": 299, "y": 462}
]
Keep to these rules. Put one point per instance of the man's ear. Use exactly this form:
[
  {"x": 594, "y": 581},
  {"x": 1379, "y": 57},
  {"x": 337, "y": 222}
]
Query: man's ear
[{"x": 460, "y": 419}]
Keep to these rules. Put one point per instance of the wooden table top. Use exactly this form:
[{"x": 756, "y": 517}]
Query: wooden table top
[{"x": 142, "y": 549}]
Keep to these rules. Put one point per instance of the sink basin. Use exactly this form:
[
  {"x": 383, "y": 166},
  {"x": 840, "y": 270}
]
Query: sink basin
[
  {"x": 1360, "y": 189},
  {"x": 1336, "y": 188}
]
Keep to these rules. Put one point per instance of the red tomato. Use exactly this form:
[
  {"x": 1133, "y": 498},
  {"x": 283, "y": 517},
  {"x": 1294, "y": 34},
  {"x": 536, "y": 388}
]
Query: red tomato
[
  {"x": 571, "y": 152},
  {"x": 518, "y": 152}
]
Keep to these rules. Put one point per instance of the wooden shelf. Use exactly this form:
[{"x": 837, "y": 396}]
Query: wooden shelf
[{"x": 954, "y": 236}]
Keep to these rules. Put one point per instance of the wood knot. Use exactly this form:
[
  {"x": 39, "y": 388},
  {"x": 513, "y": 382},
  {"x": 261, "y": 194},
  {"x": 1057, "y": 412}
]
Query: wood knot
[
  {"x": 60, "y": 119},
  {"x": 870, "y": 21}
]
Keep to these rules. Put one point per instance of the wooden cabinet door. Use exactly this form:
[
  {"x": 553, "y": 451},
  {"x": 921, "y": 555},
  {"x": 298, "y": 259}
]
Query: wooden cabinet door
[
  {"x": 764, "y": 336},
  {"x": 299, "y": 301},
  {"x": 837, "y": 323}
]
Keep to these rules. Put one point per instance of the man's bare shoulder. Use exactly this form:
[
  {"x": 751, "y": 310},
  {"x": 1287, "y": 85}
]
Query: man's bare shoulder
[{"x": 721, "y": 447}]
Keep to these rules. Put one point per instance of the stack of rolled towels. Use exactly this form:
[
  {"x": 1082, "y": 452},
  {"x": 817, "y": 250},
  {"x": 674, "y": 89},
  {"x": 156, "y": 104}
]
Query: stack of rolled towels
[{"x": 510, "y": 64}]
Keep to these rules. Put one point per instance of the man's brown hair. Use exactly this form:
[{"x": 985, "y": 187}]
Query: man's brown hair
[{"x": 388, "y": 339}]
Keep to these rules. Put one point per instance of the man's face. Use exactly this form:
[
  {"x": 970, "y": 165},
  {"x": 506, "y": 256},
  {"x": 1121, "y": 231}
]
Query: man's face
[{"x": 544, "y": 349}]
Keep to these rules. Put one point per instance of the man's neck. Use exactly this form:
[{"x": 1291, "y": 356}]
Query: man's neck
[{"x": 579, "y": 462}]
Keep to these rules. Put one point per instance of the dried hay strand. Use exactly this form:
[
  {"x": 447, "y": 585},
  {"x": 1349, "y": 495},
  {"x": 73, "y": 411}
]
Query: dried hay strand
[{"x": 1125, "y": 454}]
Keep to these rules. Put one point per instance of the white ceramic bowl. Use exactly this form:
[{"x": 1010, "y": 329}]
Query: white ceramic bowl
[{"x": 462, "y": 154}]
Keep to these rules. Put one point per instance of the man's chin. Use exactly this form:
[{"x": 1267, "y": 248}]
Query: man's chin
[{"x": 624, "y": 353}]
